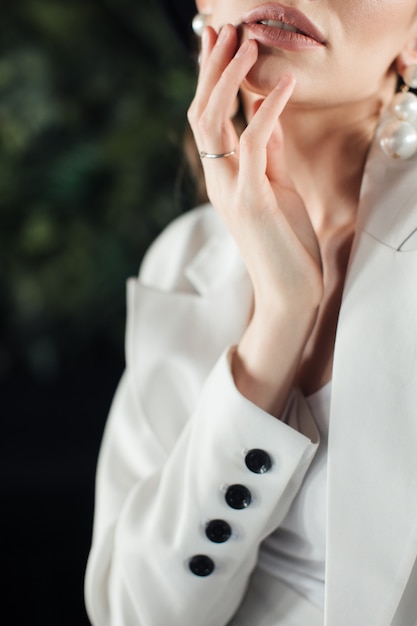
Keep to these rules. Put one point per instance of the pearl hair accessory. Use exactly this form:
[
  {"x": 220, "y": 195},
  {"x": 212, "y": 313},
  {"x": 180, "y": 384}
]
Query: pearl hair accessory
[
  {"x": 397, "y": 132},
  {"x": 198, "y": 23}
]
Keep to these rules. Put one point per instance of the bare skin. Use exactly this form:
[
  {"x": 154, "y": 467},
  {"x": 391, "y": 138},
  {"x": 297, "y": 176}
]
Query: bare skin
[{"x": 290, "y": 207}]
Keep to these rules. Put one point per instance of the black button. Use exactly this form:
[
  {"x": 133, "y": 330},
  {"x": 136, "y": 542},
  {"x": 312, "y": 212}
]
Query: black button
[
  {"x": 258, "y": 461},
  {"x": 238, "y": 496},
  {"x": 218, "y": 531},
  {"x": 201, "y": 565}
]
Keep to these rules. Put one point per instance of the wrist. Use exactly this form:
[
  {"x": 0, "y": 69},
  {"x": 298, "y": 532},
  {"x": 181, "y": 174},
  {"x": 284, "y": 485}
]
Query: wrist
[{"x": 265, "y": 362}]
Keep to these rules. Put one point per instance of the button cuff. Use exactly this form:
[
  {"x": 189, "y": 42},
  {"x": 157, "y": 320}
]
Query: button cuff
[
  {"x": 258, "y": 461},
  {"x": 238, "y": 497},
  {"x": 218, "y": 531},
  {"x": 201, "y": 565}
]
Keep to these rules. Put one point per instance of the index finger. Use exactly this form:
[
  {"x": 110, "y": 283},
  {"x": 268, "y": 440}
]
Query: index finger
[{"x": 254, "y": 139}]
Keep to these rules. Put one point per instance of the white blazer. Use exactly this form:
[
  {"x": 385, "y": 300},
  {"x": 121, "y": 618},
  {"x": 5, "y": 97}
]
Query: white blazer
[{"x": 179, "y": 431}]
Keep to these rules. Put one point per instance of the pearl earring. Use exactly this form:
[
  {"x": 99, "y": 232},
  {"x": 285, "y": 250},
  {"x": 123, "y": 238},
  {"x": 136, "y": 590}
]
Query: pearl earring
[
  {"x": 398, "y": 131},
  {"x": 198, "y": 24}
]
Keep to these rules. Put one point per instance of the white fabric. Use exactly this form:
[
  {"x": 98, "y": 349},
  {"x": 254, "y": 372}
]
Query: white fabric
[
  {"x": 269, "y": 602},
  {"x": 295, "y": 553},
  {"x": 148, "y": 528},
  {"x": 178, "y": 428}
]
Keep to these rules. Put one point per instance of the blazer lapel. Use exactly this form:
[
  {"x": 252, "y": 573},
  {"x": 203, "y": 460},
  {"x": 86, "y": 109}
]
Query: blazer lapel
[
  {"x": 185, "y": 322},
  {"x": 372, "y": 488}
]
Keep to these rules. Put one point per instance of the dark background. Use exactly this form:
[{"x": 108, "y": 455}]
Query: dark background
[{"x": 93, "y": 96}]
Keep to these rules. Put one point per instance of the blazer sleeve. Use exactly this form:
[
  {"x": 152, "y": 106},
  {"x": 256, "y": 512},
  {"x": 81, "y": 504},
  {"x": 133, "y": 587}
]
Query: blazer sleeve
[{"x": 182, "y": 506}]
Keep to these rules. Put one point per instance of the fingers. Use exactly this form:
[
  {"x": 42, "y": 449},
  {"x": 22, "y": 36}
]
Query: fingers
[
  {"x": 219, "y": 48},
  {"x": 215, "y": 121},
  {"x": 276, "y": 168},
  {"x": 220, "y": 79},
  {"x": 263, "y": 135},
  {"x": 216, "y": 53},
  {"x": 259, "y": 160}
]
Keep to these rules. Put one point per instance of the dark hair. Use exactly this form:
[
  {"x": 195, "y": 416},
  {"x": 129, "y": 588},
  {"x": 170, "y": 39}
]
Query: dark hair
[{"x": 180, "y": 13}]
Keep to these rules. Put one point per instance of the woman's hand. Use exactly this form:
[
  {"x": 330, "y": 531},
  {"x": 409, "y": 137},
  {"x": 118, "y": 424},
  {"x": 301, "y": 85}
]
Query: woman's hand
[{"x": 253, "y": 192}]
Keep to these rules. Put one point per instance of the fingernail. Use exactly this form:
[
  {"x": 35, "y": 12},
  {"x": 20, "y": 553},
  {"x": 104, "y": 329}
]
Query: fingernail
[
  {"x": 222, "y": 35},
  {"x": 243, "y": 49},
  {"x": 283, "y": 82}
]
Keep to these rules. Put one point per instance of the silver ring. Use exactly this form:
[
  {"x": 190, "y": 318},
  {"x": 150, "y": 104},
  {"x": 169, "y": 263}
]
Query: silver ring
[{"x": 223, "y": 155}]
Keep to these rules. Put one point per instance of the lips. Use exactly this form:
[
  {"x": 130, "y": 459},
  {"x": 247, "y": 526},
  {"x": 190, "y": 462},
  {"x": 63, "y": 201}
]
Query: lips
[{"x": 289, "y": 21}]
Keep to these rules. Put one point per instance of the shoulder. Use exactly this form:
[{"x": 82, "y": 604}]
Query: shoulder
[{"x": 169, "y": 255}]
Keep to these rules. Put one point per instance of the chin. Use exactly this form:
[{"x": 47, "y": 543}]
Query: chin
[
  {"x": 258, "y": 86},
  {"x": 265, "y": 74}
]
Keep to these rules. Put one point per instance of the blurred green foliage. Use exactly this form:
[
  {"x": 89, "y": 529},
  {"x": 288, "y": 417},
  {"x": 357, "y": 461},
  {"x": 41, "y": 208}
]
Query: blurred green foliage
[{"x": 93, "y": 98}]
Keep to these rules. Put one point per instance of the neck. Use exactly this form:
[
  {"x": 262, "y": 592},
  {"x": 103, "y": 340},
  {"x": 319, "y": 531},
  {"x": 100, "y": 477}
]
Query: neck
[
  {"x": 326, "y": 149},
  {"x": 326, "y": 157}
]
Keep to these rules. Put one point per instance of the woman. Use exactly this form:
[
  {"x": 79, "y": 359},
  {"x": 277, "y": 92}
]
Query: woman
[{"x": 222, "y": 495}]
